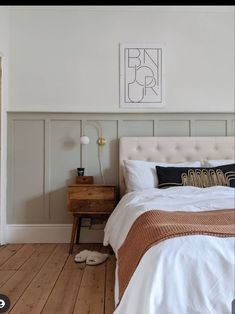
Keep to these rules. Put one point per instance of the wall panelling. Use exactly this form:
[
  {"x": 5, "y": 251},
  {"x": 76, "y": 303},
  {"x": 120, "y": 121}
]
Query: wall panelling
[{"x": 44, "y": 151}]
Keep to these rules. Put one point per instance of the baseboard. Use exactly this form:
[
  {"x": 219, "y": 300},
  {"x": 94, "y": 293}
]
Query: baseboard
[{"x": 50, "y": 233}]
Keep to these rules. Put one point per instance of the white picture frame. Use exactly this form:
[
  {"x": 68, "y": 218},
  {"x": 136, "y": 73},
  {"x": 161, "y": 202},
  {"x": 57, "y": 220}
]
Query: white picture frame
[{"x": 142, "y": 75}]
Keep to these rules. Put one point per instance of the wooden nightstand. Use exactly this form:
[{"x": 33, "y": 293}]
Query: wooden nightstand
[{"x": 89, "y": 200}]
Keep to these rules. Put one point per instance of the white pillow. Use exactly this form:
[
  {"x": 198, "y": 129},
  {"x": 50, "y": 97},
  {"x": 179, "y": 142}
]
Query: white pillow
[
  {"x": 217, "y": 162},
  {"x": 141, "y": 175}
]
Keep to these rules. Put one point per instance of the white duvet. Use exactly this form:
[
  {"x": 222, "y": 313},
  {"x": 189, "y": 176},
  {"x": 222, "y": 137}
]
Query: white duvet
[{"x": 184, "y": 275}]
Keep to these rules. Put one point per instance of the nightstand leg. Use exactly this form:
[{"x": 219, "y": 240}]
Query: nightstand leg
[
  {"x": 74, "y": 229},
  {"x": 78, "y": 229}
]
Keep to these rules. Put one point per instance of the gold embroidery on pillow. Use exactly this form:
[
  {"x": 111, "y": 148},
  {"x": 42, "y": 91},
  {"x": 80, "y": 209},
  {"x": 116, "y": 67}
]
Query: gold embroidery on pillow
[{"x": 207, "y": 177}]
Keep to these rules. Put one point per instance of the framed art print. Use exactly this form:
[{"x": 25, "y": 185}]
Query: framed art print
[{"x": 141, "y": 75}]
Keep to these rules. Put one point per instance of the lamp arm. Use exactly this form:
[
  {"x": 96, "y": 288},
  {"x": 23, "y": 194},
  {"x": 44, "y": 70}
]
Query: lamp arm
[
  {"x": 96, "y": 125},
  {"x": 101, "y": 141}
]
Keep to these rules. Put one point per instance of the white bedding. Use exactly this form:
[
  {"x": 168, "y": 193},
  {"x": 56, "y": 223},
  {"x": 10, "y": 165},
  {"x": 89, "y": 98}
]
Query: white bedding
[{"x": 184, "y": 275}]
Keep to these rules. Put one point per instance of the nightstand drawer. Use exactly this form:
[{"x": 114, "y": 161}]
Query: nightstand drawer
[
  {"x": 94, "y": 193},
  {"x": 91, "y": 206},
  {"x": 84, "y": 180}
]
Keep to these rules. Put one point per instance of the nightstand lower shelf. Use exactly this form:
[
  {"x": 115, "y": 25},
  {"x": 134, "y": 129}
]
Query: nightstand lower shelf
[{"x": 76, "y": 228}]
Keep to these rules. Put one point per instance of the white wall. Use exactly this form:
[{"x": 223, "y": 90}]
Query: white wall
[
  {"x": 4, "y": 28},
  {"x": 4, "y": 36},
  {"x": 67, "y": 58}
]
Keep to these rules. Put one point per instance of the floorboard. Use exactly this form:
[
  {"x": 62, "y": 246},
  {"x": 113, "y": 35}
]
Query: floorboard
[
  {"x": 63, "y": 296},
  {"x": 16, "y": 285},
  {"x": 93, "y": 284},
  {"x": 7, "y": 251},
  {"x": 109, "y": 287},
  {"x": 5, "y": 275},
  {"x": 43, "y": 278},
  {"x": 19, "y": 258},
  {"x": 36, "y": 294}
]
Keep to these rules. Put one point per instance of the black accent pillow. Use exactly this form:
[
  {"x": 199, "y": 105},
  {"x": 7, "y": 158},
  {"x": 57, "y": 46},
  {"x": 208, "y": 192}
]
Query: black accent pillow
[{"x": 200, "y": 177}]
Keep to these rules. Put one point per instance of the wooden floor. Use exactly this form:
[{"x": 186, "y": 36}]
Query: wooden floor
[{"x": 43, "y": 278}]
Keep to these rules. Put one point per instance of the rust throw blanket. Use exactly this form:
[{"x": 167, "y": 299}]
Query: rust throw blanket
[{"x": 156, "y": 225}]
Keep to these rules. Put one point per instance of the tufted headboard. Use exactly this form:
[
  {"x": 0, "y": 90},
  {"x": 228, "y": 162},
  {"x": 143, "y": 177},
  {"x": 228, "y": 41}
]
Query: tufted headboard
[{"x": 173, "y": 149}]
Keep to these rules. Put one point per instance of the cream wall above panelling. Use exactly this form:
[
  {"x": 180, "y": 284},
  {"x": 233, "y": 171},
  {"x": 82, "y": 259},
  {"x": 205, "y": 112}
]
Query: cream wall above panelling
[
  {"x": 66, "y": 58},
  {"x": 44, "y": 151}
]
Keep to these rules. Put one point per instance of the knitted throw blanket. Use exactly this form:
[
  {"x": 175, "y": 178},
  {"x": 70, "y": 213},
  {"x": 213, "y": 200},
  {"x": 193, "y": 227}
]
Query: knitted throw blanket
[{"x": 156, "y": 225}]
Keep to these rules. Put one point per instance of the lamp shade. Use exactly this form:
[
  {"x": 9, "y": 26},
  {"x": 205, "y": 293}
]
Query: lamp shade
[{"x": 84, "y": 140}]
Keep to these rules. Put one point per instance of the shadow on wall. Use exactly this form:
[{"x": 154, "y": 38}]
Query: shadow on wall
[
  {"x": 111, "y": 172},
  {"x": 50, "y": 208}
]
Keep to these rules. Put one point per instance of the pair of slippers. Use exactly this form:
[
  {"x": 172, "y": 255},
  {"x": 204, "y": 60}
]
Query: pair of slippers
[{"x": 90, "y": 257}]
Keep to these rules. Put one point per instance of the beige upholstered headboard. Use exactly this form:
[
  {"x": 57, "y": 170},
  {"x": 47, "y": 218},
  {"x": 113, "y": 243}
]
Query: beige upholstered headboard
[{"x": 173, "y": 149}]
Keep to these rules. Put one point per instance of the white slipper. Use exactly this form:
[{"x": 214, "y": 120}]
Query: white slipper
[
  {"x": 82, "y": 256},
  {"x": 96, "y": 258}
]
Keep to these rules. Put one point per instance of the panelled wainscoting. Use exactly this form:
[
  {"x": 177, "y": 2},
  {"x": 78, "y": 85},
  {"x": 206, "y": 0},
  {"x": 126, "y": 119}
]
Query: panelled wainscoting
[{"x": 44, "y": 151}]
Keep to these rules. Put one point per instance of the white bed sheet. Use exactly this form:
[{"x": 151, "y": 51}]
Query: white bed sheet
[{"x": 184, "y": 275}]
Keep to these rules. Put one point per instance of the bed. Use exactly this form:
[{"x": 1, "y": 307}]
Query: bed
[{"x": 187, "y": 274}]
